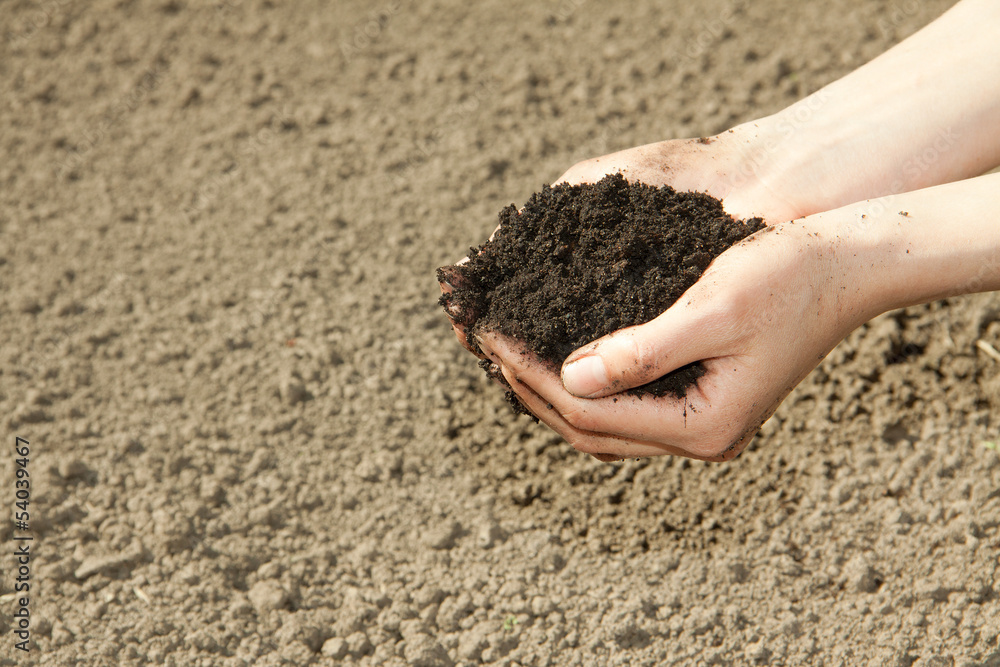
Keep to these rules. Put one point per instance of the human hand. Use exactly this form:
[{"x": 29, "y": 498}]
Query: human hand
[
  {"x": 842, "y": 144},
  {"x": 762, "y": 316},
  {"x": 725, "y": 166}
]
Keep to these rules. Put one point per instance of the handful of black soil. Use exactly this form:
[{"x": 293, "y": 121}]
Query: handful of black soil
[{"x": 581, "y": 261}]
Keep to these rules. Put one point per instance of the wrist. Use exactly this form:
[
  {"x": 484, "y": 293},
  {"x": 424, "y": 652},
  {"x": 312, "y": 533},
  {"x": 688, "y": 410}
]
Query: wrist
[
  {"x": 753, "y": 156},
  {"x": 805, "y": 159},
  {"x": 813, "y": 155},
  {"x": 930, "y": 244},
  {"x": 943, "y": 242},
  {"x": 839, "y": 261}
]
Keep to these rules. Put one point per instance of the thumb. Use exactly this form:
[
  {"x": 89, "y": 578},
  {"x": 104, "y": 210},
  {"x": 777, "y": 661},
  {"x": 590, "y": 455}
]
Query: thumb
[{"x": 634, "y": 356}]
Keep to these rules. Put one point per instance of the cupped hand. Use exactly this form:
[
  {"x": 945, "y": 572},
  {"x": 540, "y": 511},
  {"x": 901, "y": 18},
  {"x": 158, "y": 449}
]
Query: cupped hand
[
  {"x": 762, "y": 316},
  {"x": 726, "y": 166},
  {"x": 758, "y": 319}
]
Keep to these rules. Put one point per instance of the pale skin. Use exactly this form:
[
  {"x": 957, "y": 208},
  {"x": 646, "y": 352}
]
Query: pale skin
[{"x": 873, "y": 202}]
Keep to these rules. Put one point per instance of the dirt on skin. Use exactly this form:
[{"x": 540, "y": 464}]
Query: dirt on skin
[
  {"x": 577, "y": 263},
  {"x": 254, "y": 439}
]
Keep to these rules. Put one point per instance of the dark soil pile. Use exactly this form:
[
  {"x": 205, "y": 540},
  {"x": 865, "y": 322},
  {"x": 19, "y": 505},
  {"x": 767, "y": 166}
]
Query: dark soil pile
[{"x": 579, "y": 262}]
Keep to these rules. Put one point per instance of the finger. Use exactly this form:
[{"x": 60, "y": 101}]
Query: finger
[
  {"x": 687, "y": 332},
  {"x": 463, "y": 339},
  {"x": 603, "y": 447},
  {"x": 448, "y": 278},
  {"x": 658, "y": 163},
  {"x": 626, "y": 162},
  {"x": 690, "y": 425}
]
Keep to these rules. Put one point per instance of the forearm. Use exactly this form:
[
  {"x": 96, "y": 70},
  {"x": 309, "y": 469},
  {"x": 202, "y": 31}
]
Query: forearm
[
  {"x": 923, "y": 113},
  {"x": 921, "y": 246}
]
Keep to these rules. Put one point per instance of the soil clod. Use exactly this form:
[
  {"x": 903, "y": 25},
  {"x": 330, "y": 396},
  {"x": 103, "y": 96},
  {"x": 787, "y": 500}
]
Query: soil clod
[{"x": 579, "y": 262}]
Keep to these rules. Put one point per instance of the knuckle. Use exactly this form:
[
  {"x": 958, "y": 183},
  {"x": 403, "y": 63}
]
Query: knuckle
[
  {"x": 633, "y": 361},
  {"x": 646, "y": 360},
  {"x": 710, "y": 449},
  {"x": 725, "y": 443}
]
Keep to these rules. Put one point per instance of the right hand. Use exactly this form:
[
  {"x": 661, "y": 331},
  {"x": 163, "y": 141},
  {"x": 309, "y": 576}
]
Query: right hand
[{"x": 761, "y": 317}]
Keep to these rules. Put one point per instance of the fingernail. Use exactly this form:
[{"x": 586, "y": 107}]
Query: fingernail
[
  {"x": 450, "y": 276},
  {"x": 585, "y": 377},
  {"x": 444, "y": 274},
  {"x": 447, "y": 301},
  {"x": 495, "y": 373}
]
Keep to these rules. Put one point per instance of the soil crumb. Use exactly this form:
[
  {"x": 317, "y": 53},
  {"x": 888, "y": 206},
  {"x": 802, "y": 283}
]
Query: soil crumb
[{"x": 581, "y": 261}]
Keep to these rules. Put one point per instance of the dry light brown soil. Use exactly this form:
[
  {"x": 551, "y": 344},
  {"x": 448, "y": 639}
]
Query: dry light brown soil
[{"x": 254, "y": 439}]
